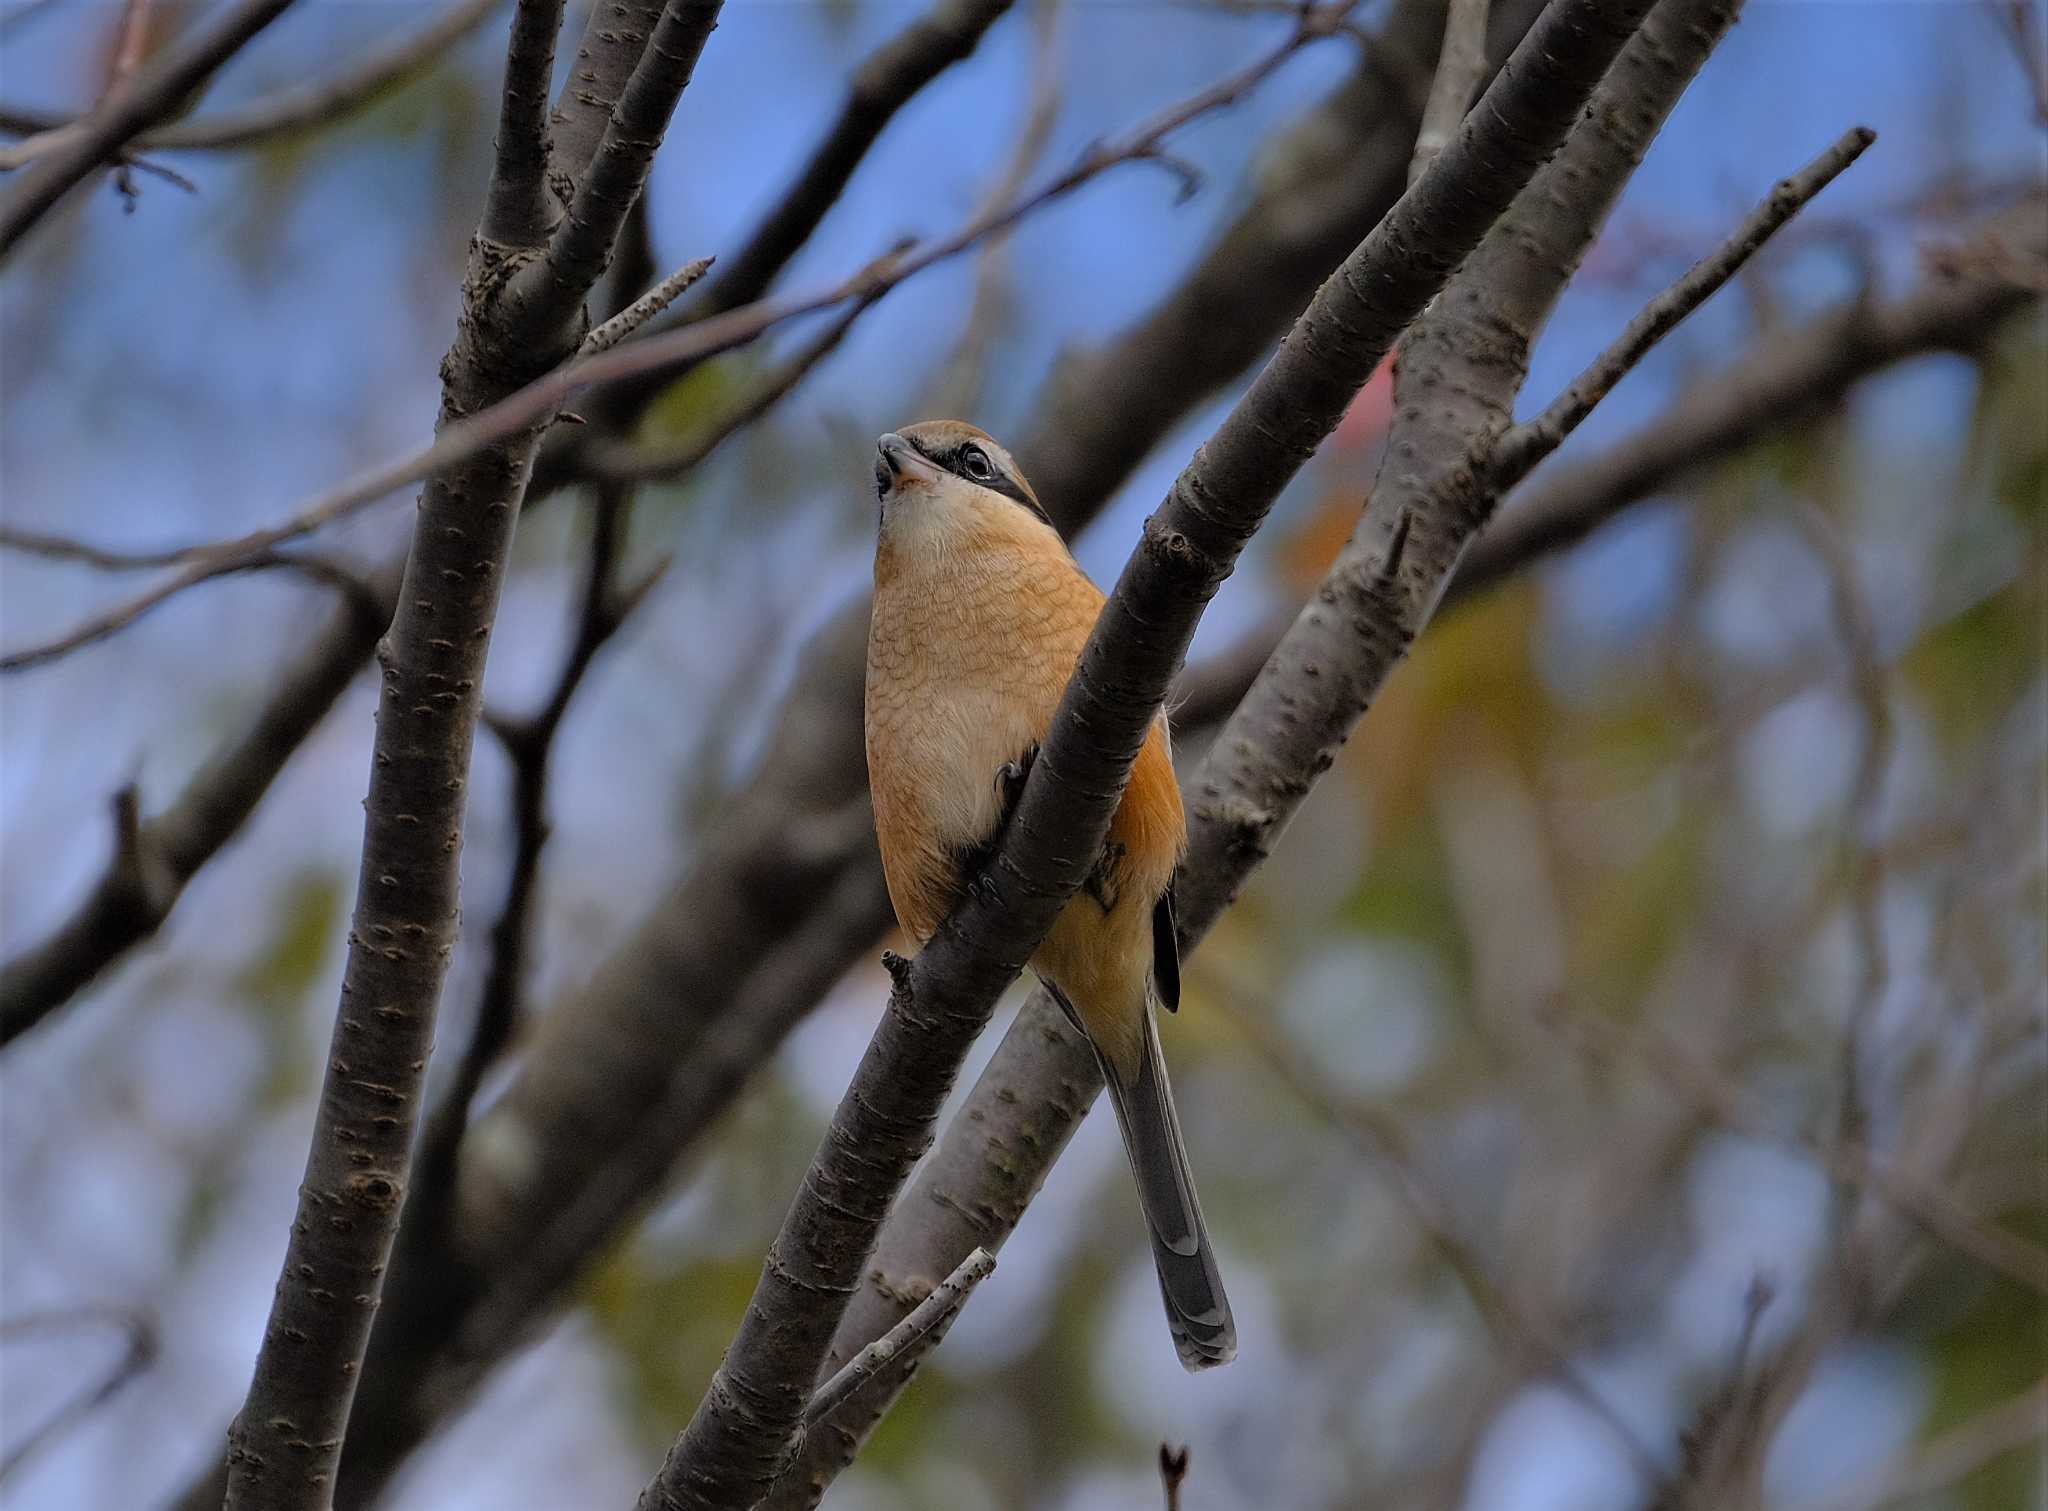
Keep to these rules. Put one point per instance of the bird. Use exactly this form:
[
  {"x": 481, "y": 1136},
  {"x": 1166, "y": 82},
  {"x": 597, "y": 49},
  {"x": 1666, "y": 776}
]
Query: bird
[{"x": 980, "y": 616}]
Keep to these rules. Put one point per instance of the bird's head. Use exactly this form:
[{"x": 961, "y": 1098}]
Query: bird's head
[{"x": 948, "y": 468}]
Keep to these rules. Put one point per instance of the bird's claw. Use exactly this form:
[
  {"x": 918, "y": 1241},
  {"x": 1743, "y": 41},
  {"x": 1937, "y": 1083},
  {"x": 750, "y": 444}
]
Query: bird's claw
[{"x": 1010, "y": 779}]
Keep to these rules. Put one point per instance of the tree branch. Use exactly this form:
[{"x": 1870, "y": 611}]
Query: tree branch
[
  {"x": 918, "y": 1333},
  {"x": 885, "y": 82},
  {"x": 286, "y": 1441},
  {"x": 460, "y": 438},
  {"x": 602, "y": 610},
  {"x": 520, "y": 210},
  {"x": 614, "y": 39},
  {"x": 889, "y": 78},
  {"x": 154, "y": 94},
  {"x": 1520, "y": 449},
  {"x": 787, "y": 891},
  {"x": 607, "y": 190},
  {"x": 644, "y": 309},
  {"x": 298, "y": 107},
  {"x": 625, "y": 462},
  {"x": 1460, "y": 70},
  {"x": 1782, "y": 381},
  {"x": 1281, "y": 739},
  {"x": 736, "y": 1445}
]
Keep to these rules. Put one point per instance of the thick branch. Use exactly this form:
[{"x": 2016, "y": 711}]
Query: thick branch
[
  {"x": 614, "y": 38},
  {"x": 153, "y": 95},
  {"x": 286, "y": 1442},
  {"x": 297, "y": 107},
  {"x": 735, "y": 1446},
  {"x": 519, "y": 210},
  {"x": 607, "y": 190}
]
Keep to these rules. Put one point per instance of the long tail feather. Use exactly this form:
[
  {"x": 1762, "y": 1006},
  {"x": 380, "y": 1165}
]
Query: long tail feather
[{"x": 1197, "y": 1311}]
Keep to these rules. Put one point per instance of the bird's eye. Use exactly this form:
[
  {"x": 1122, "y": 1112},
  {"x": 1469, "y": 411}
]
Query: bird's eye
[{"x": 975, "y": 463}]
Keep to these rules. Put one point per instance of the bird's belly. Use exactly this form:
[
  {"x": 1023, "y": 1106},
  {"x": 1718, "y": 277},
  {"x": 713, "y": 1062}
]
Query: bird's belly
[{"x": 934, "y": 752}]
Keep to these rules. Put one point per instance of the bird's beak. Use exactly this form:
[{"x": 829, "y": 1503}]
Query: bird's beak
[{"x": 897, "y": 460}]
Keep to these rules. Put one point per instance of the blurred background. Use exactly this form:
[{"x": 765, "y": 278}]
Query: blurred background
[{"x": 1659, "y": 867}]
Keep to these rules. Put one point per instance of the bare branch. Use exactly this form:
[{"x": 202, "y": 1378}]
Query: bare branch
[
  {"x": 1460, "y": 70},
  {"x": 957, "y": 389},
  {"x": 644, "y": 309},
  {"x": 1786, "y": 378},
  {"x": 621, "y": 462},
  {"x": 918, "y": 1331},
  {"x": 285, "y": 1444},
  {"x": 786, "y": 891},
  {"x": 299, "y": 107},
  {"x": 462, "y": 437},
  {"x": 1529, "y": 443},
  {"x": 733, "y": 1454},
  {"x": 614, "y": 39},
  {"x": 520, "y": 210},
  {"x": 884, "y": 83},
  {"x": 158, "y": 92},
  {"x": 602, "y": 610},
  {"x": 1173, "y": 1465},
  {"x": 606, "y": 191}
]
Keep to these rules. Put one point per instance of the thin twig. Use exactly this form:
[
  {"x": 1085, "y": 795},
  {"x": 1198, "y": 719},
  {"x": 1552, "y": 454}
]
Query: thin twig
[
  {"x": 1527, "y": 444},
  {"x": 644, "y": 309},
  {"x": 620, "y": 462},
  {"x": 1460, "y": 70},
  {"x": 462, "y": 438},
  {"x": 913, "y": 1332},
  {"x": 885, "y": 81},
  {"x": 157, "y": 92},
  {"x": 957, "y": 388},
  {"x": 295, "y": 108}
]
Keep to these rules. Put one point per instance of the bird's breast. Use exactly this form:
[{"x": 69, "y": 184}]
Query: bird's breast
[{"x": 965, "y": 667}]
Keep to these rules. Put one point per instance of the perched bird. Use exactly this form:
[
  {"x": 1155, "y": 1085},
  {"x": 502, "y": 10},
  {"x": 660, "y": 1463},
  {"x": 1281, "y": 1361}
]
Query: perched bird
[{"x": 980, "y": 616}]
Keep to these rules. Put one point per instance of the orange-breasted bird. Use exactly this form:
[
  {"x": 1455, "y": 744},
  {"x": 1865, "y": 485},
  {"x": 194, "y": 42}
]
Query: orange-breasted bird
[{"x": 980, "y": 616}]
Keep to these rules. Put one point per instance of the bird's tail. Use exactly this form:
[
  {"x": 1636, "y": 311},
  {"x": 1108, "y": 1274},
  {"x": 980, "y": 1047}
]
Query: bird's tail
[{"x": 1196, "y": 1309}]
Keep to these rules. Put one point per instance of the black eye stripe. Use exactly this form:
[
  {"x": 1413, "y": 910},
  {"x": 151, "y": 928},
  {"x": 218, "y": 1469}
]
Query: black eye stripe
[{"x": 955, "y": 462}]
